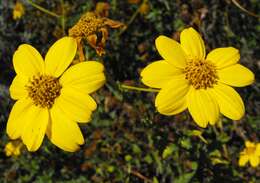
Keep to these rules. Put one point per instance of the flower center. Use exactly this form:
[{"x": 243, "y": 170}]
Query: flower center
[
  {"x": 87, "y": 25},
  {"x": 250, "y": 150},
  {"x": 201, "y": 74},
  {"x": 43, "y": 90}
]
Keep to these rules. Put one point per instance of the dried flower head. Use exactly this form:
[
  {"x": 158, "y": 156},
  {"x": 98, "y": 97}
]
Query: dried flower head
[{"x": 94, "y": 29}]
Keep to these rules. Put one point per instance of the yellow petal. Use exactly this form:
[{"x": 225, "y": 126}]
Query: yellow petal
[
  {"x": 86, "y": 77},
  {"x": 64, "y": 132},
  {"x": 223, "y": 57},
  {"x": 258, "y": 149},
  {"x": 158, "y": 74},
  {"x": 60, "y": 56},
  {"x": 17, "y": 118},
  {"x": 76, "y": 105},
  {"x": 230, "y": 103},
  {"x": 172, "y": 97},
  {"x": 249, "y": 144},
  {"x": 236, "y": 75},
  {"x": 243, "y": 159},
  {"x": 203, "y": 107},
  {"x": 27, "y": 61},
  {"x": 35, "y": 128},
  {"x": 17, "y": 88},
  {"x": 171, "y": 51},
  {"x": 254, "y": 160},
  {"x": 193, "y": 44}
]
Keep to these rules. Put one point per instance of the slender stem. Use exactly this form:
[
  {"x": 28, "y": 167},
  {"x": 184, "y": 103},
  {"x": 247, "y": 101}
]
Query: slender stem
[
  {"x": 132, "y": 18},
  {"x": 239, "y": 131},
  {"x": 220, "y": 125},
  {"x": 225, "y": 150},
  {"x": 43, "y": 9},
  {"x": 138, "y": 88},
  {"x": 63, "y": 17},
  {"x": 203, "y": 139},
  {"x": 244, "y": 10},
  {"x": 137, "y": 174},
  {"x": 224, "y": 147}
]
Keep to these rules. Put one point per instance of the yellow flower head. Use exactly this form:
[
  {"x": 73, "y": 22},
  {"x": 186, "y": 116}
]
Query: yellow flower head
[
  {"x": 13, "y": 148},
  {"x": 190, "y": 79},
  {"x": 18, "y": 10},
  {"x": 144, "y": 8},
  {"x": 251, "y": 153},
  {"x": 52, "y": 98}
]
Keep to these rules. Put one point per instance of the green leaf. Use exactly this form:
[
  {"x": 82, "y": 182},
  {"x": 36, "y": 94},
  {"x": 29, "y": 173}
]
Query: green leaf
[
  {"x": 186, "y": 177},
  {"x": 185, "y": 143},
  {"x": 155, "y": 180},
  {"x": 128, "y": 157},
  {"x": 223, "y": 138},
  {"x": 148, "y": 159},
  {"x": 169, "y": 150},
  {"x": 136, "y": 149}
]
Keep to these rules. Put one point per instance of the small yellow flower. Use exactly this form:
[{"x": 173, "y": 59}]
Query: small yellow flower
[
  {"x": 190, "y": 79},
  {"x": 13, "y": 148},
  {"x": 251, "y": 153},
  {"x": 52, "y": 98},
  {"x": 18, "y": 10},
  {"x": 144, "y": 8}
]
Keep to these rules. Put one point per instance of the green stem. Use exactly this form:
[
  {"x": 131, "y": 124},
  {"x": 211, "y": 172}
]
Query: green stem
[
  {"x": 244, "y": 10},
  {"x": 138, "y": 88},
  {"x": 224, "y": 147},
  {"x": 63, "y": 18},
  {"x": 132, "y": 18},
  {"x": 43, "y": 9}
]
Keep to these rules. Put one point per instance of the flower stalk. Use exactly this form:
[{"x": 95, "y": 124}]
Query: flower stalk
[
  {"x": 138, "y": 88},
  {"x": 43, "y": 9}
]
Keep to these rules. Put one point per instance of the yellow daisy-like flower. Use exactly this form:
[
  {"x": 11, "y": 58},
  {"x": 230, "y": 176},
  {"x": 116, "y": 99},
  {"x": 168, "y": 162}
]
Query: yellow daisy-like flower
[
  {"x": 50, "y": 98},
  {"x": 190, "y": 79},
  {"x": 251, "y": 153}
]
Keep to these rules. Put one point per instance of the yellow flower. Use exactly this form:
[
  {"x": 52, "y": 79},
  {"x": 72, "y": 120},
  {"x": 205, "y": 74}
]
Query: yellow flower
[
  {"x": 13, "y": 148},
  {"x": 251, "y": 153},
  {"x": 50, "y": 98},
  {"x": 18, "y": 10},
  {"x": 190, "y": 79},
  {"x": 144, "y": 8}
]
